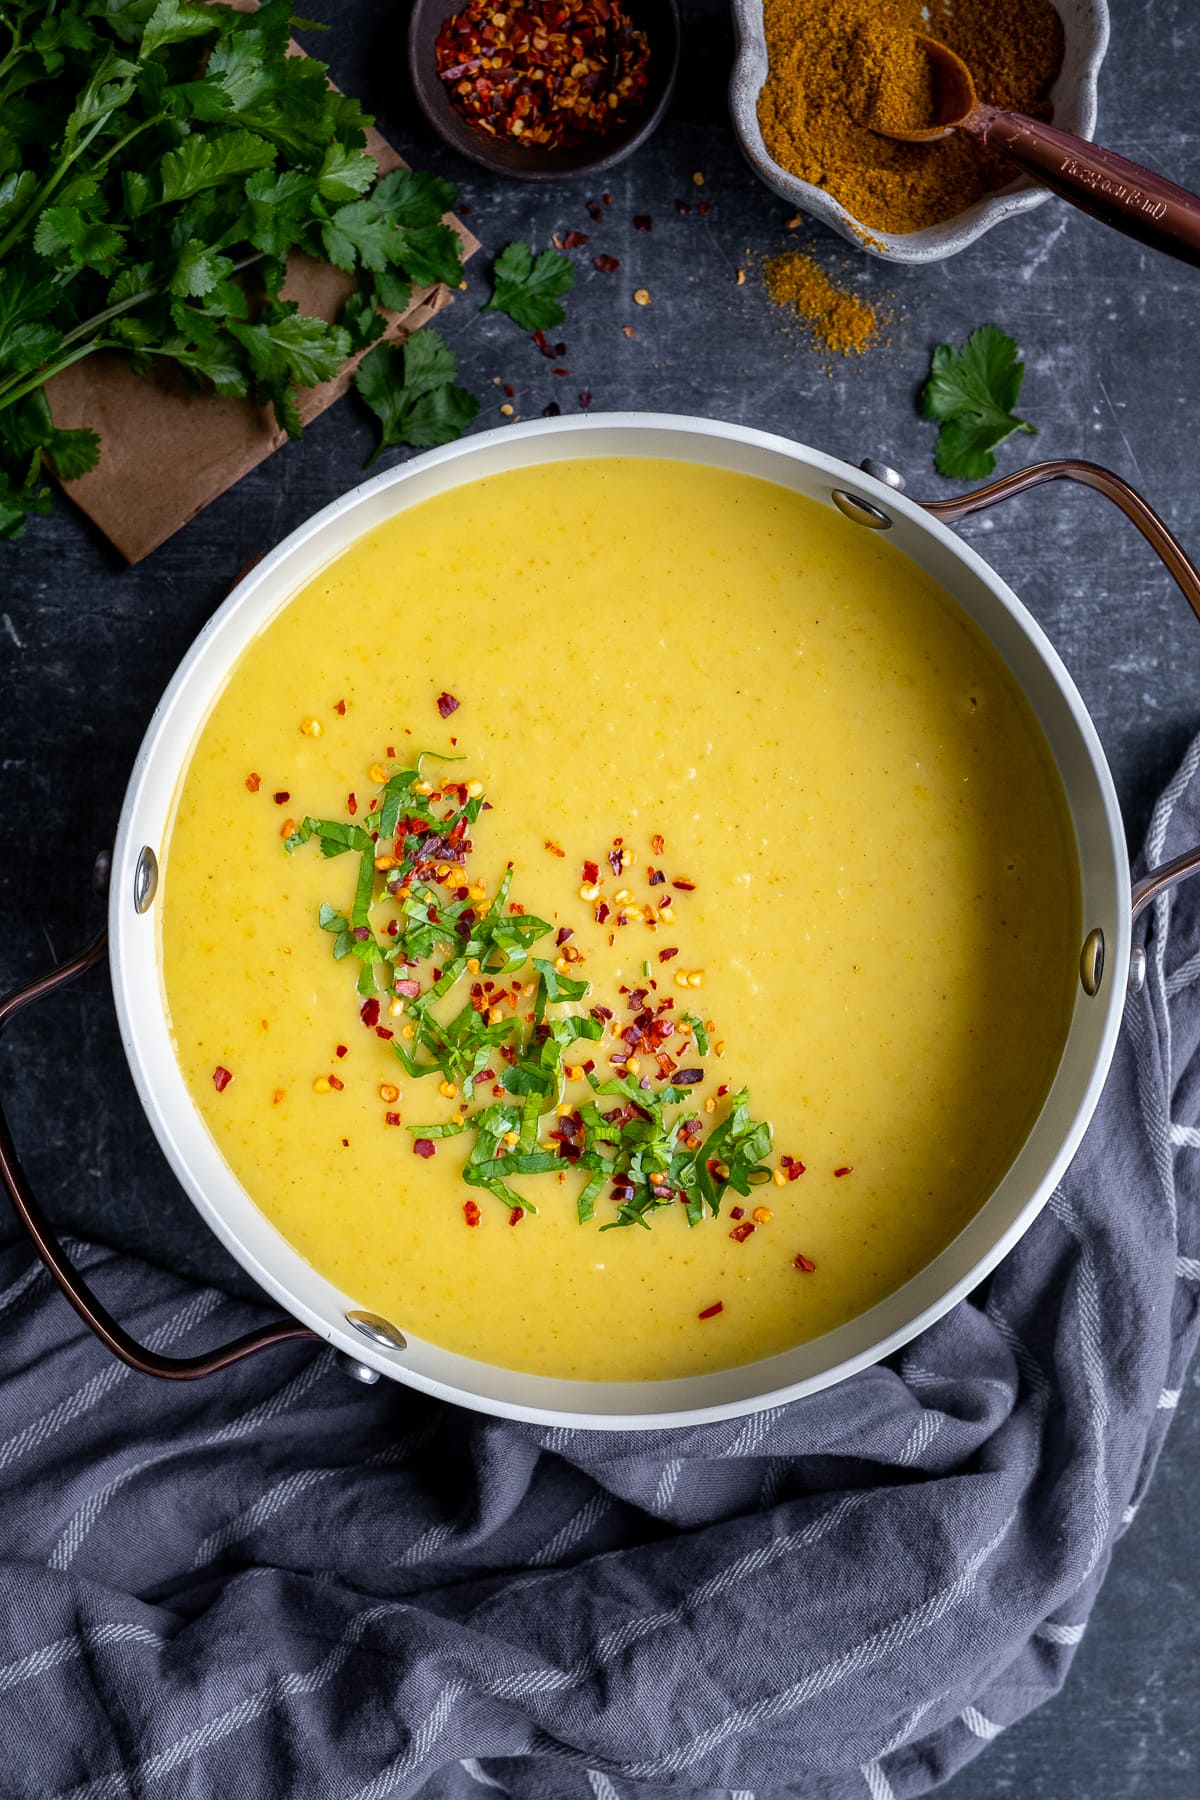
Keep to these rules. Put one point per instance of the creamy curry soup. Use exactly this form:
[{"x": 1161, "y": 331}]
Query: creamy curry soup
[{"x": 746, "y": 759}]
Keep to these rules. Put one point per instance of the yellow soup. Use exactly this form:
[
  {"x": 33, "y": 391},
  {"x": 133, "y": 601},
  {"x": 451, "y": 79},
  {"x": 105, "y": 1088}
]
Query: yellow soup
[{"x": 872, "y": 911}]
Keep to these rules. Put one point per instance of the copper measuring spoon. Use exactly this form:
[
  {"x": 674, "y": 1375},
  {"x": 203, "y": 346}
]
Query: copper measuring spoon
[{"x": 1121, "y": 193}]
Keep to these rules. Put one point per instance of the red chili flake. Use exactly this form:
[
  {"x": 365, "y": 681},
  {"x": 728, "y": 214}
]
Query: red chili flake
[
  {"x": 585, "y": 398},
  {"x": 643, "y": 222},
  {"x": 591, "y": 872},
  {"x": 221, "y": 1078},
  {"x": 424, "y": 1147},
  {"x": 552, "y": 411},
  {"x": 340, "y": 1049},
  {"x": 253, "y": 783},
  {"x": 595, "y": 210},
  {"x": 615, "y": 861},
  {"x": 684, "y": 207},
  {"x": 560, "y": 371},
  {"x": 722, "y": 1090},
  {"x": 471, "y": 1212},
  {"x": 368, "y": 1012},
  {"x": 710, "y": 1312},
  {"x": 564, "y": 932},
  {"x": 392, "y": 1119},
  {"x": 607, "y": 198},
  {"x": 704, "y": 208},
  {"x": 607, "y": 265},
  {"x": 792, "y": 1167},
  {"x": 391, "y": 749},
  {"x": 546, "y": 75},
  {"x": 846, "y": 1169},
  {"x": 800, "y": 1261},
  {"x": 688, "y": 887},
  {"x": 602, "y": 912},
  {"x": 575, "y": 240},
  {"x": 282, "y": 797},
  {"x": 737, "y": 1212},
  {"x": 446, "y": 704},
  {"x": 741, "y": 1232},
  {"x": 336, "y": 1084},
  {"x": 345, "y": 1143},
  {"x": 655, "y": 877},
  {"x": 668, "y": 953},
  {"x": 381, "y": 1031},
  {"x": 658, "y": 843},
  {"x": 515, "y": 1216},
  {"x": 339, "y": 706},
  {"x": 352, "y": 804}
]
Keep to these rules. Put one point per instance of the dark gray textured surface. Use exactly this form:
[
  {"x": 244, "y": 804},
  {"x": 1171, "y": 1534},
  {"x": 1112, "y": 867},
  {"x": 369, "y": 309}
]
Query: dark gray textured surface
[{"x": 1109, "y": 334}]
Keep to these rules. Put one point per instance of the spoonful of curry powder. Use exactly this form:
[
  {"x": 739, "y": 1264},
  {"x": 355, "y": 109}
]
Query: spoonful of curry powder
[{"x": 836, "y": 63}]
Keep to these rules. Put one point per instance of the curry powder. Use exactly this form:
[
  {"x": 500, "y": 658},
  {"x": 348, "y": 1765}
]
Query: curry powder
[
  {"x": 834, "y": 63},
  {"x": 837, "y": 318}
]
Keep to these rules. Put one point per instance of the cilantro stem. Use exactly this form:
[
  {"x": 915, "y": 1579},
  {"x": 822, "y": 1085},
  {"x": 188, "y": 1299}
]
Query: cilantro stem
[
  {"x": 10, "y": 396},
  {"x": 35, "y": 206},
  {"x": 8, "y": 391}
]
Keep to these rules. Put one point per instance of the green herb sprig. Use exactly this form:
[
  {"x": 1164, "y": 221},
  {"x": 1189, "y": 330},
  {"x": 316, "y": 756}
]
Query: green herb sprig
[
  {"x": 158, "y": 163},
  {"x": 651, "y": 1148},
  {"x": 529, "y": 288},
  {"x": 972, "y": 392}
]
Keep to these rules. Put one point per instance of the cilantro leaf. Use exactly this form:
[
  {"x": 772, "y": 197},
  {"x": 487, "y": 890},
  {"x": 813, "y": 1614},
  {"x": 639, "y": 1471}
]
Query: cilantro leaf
[
  {"x": 18, "y": 502},
  {"x": 86, "y": 242},
  {"x": 345, "y": 173},
  {"x": 198, "y": 270},
  {"x": 414, "y": 197},
  {"x": 411, "y": 390},
  {"x": 174, "y": 20},
  {"x": 527, "y": 289},
  {"x": 972, "y": 392},
  {"x": 205, "y": 162},
  {"x": 359, "y": 232}
]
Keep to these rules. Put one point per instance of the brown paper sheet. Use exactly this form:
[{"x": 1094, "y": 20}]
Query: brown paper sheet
[{"x": 167, "y": 449}]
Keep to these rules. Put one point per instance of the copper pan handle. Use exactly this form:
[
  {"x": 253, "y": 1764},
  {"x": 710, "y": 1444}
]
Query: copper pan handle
[
  {"x": 59, "y": 1264},
  {"x": 1162, "y": 541},
  {"x": 1114, "y": 190},
  {"x": 1156, "y": 533}
]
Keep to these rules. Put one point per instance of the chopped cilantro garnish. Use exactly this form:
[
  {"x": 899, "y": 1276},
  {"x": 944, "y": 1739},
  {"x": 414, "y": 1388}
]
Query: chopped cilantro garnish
[{"x": 650, "y": 1148}]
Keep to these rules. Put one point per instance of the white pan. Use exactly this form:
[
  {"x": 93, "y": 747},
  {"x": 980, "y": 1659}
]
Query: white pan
[{"x": 371, "y": 1347}]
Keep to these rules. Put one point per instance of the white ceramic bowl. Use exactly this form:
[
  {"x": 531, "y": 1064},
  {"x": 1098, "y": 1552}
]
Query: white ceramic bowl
[
  {"x": 229, "y": 1209},
  {"x": 1085, "y": 23}
]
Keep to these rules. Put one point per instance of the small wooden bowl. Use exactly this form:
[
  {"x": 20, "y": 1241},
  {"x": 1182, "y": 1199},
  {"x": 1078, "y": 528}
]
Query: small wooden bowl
[{"x": 659, "y": 19}]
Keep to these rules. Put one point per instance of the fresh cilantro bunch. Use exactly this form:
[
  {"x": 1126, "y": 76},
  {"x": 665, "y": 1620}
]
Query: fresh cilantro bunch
[
  {"x": 973, "y": 392},
  {"x": 159, "y": 159}
]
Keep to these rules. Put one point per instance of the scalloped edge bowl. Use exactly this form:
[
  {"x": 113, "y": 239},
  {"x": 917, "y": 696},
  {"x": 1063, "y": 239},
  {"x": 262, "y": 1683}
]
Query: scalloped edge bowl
[{"x": 1086, "y": 26}]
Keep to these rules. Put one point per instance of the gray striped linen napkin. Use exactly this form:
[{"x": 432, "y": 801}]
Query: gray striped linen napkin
[{"x": 274, "y": 1583}]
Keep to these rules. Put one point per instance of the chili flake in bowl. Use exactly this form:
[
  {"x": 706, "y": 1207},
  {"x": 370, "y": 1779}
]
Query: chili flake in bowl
[{"x": 546, "y": 89}]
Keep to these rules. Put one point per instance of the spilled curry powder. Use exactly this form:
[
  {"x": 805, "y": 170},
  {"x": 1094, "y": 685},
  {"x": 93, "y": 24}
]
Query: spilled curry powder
[
  {"x": 837, "y": 318},
  {"x": 834, "y": 63}
]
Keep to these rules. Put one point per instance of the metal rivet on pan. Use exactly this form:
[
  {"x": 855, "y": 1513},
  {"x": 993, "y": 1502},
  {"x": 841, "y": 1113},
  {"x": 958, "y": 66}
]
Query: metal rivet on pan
[
  {"x": 145, "y": 879},
  {"x": 861, "y": 511},
  {"x": 357, "y": 1371},
  {"x": 1091, "y": 962},
  {"x": 1137, "y": 969},
  {"x": 101, "y": 870},
  {"x": 380, "y": 1331},
  {"x": 881, "y": 471}
]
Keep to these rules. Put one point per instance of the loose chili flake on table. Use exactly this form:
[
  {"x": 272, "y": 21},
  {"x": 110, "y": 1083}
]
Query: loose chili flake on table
[{"x": 547, "y": 73}]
